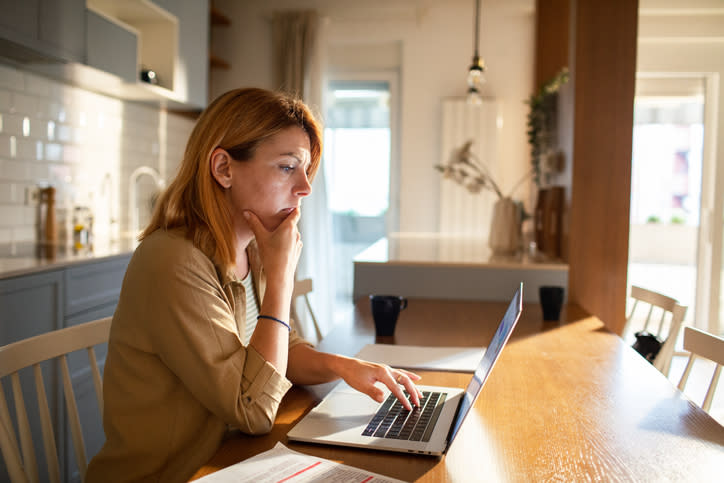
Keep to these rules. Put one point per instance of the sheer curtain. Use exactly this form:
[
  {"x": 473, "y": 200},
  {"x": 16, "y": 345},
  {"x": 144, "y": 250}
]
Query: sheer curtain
[{"x": 298, "y": 55}]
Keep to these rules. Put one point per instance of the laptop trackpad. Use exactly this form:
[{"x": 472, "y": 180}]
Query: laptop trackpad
[{"x": 348, "y": 405}]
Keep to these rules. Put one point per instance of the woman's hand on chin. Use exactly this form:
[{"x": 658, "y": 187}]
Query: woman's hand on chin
[{"x": 279, "y": 249}]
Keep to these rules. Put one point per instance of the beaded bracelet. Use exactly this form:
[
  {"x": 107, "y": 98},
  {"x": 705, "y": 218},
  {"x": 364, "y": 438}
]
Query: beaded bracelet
[{"x": 289, "y": 328}]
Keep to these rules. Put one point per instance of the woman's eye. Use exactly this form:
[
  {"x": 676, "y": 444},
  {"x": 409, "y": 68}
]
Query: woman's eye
[{"x": 287, "y": 168}]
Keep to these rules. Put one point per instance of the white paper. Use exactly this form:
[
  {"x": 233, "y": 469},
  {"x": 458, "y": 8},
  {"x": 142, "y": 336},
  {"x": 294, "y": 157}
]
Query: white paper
[
  {"x": 455, "y": 359},
  {"x": 282, "y": 464}
]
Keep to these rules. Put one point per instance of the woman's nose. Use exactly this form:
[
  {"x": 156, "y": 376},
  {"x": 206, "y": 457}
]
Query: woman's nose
[{"x": 304, "y": 187}]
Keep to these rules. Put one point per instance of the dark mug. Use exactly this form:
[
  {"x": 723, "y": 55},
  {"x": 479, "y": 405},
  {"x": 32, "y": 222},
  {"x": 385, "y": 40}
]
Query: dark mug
[
  {"x": 385, "y": 310},
  {"x": 551, "y": 300}
]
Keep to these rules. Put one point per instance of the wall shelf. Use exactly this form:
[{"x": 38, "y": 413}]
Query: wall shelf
[
  {"x": 218, "y": 18},
  {"x": 156, "y": 31},
  {"x": 218, "y": 62}
]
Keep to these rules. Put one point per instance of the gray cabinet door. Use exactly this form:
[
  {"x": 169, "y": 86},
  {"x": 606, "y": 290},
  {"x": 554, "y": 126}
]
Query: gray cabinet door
[
  {"x": 91, "y": 293},
  {"x": 19, "y": 20},
  {"x": 32, "y": 305},
  {"x": 34, "y": 30},
  {"x": 61, "y": 25},
  {"x": 93, "y": 285}
]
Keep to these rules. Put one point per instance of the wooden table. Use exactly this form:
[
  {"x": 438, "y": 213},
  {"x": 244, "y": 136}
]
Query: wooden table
[{"x": 567, "y": 401}]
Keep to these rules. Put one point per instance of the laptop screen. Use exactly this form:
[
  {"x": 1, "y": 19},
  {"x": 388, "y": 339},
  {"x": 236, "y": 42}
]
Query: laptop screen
[{"x": 488, "y": 361}]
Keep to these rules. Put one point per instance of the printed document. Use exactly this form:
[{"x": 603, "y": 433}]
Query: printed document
[{"x": 280, "y": 464}]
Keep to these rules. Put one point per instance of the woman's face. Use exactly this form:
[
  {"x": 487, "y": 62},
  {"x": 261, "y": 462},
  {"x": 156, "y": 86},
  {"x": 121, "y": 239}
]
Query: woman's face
[{"x": 274, "y": 181}]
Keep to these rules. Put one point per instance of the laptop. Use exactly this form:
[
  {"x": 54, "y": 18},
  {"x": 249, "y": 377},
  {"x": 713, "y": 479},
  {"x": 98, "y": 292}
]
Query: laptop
[{"x": 346, "y": 417}]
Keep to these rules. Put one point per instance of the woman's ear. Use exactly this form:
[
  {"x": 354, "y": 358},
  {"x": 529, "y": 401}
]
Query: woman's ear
[{"x": 220, "y": 165}]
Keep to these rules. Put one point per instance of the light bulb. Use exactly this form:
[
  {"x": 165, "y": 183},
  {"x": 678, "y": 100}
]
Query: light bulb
[{"x": 476, "y": 77}]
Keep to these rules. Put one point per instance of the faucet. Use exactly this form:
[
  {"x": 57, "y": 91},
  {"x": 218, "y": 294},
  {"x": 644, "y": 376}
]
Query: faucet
[{"x": 132, "y": 192}]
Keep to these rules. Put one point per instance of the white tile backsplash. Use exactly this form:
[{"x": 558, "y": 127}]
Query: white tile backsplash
[
  {"x": 84, "y": 144},
  {"x": 10, "y": 78},
  {"x": 25, "y": 105},
  {"x": 6, "y": 101},
  {"x": 37, "y": 86}
]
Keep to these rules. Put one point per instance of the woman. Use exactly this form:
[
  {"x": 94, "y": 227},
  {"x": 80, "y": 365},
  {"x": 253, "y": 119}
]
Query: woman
[{"x": 201, "y": 339}]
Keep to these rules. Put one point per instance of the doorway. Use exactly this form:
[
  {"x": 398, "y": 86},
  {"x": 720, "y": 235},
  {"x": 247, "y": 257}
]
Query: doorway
[
  {"x": 359, "y": 168},
  {"x": 667, "y": 252}
]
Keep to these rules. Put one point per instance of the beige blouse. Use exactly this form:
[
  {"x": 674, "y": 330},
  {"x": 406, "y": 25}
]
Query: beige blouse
[{"x": 177, "y": 372}]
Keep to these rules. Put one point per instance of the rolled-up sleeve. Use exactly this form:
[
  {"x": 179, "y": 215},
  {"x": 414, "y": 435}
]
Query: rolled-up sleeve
[{"x": 262, "y": 389}]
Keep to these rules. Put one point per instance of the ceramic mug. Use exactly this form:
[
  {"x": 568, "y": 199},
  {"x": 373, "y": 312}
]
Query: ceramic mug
[
  {"x": 551, "y": 300},
  {"x": 385, "y": 310}
]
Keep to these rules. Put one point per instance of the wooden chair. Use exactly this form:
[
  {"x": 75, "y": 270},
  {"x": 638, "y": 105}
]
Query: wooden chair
[
  {"x": 20, "y": 459},
  {"x": 666, "y": 332},
  {"x": 703, "y": 344},
  {"x": 302, "y": 288}
]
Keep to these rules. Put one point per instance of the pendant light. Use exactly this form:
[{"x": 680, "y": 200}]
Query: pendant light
[{"x": 476, "y": 73}]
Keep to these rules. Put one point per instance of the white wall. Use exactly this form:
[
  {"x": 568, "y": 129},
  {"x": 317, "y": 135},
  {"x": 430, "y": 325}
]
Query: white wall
[{"x": 436, "y": 50}]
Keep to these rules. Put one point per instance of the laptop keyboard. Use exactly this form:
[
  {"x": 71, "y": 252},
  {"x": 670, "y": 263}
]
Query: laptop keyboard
[{"x": 393, "y": 421}]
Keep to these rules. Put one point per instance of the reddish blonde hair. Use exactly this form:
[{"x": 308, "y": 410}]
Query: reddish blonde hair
[{"x": 236, "y": 121}]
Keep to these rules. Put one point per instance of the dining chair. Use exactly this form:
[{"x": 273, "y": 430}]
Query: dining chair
[
  {"x": 667, "y": 332},
  {"x": 20, "y": 459},
  {"x": 705, "y": 345},
  {"x": 302, "y": 288}
]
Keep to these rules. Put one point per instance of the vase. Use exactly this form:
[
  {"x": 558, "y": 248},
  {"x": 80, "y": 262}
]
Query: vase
[{"x": 505, "y": 227}]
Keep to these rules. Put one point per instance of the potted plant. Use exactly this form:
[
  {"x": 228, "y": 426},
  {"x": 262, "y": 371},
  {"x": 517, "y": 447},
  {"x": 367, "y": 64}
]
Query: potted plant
[{"x": 541, "y": 124}]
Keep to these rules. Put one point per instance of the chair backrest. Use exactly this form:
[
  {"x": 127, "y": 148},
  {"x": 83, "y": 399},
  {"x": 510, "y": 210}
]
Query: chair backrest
[
  {"x": 302, "y": 288},
  {"x": 667, "y": 332},
  {"x": 20, "y": 459},
  {"x": 708, "y": 346}
]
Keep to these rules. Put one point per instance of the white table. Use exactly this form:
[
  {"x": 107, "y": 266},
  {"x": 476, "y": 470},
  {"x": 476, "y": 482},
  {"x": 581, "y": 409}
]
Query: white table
[{"x": 449, "y": 267}]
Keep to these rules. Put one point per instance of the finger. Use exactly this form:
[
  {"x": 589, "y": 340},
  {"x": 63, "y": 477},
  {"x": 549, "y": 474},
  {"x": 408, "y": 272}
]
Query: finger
[
  {"x": 292, "y": 219},
  {"x": 413, "y": 377},
  {"x": 254, "y": 223},
  {"x": 412, "y": 390},
  {"x": 396, "y": 389},
  {"x": 294, "y": 215},
  {"x": 376, "y": 393}
]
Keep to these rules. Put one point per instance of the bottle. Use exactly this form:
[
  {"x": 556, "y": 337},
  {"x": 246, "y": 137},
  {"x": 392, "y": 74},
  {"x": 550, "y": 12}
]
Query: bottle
[
  {"x": 51, "y": 225},
  {"x": 50, "y": 233}
]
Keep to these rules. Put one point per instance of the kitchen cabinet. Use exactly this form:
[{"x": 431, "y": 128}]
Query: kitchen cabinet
[
  {"x": 45, "y": 301},
  {"x": 91, "y": 293},
  {"x": 42, "y": 30},
  {"x": 171, "y": 39},
  {"x": 191, "y": 66},
  {"x": 111, "y": 47},
  {"x": 103, "y": 45}
]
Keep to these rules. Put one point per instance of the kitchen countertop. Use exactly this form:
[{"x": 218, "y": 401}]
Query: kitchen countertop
[
  {"x": 432, "y": 249},
  {"x": 431, "y": 265},
  {"x": 24, "y": 258}
]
